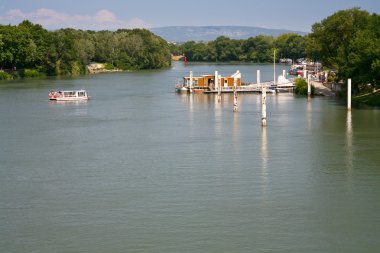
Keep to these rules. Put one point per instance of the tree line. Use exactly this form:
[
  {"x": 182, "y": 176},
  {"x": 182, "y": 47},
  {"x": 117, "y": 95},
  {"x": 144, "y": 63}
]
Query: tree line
[
  {"x": 68, "y": 51},
  {"x": 257, "y": 49}
]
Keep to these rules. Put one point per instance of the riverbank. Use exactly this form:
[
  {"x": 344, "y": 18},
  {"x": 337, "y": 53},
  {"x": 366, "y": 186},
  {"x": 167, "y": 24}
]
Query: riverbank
[{"x": 372, "y": 99}]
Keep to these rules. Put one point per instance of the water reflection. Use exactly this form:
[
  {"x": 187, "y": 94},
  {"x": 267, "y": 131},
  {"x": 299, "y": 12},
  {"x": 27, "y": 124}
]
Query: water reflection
[
  {"x": 349, "y": 147},
  {"x": 309, "y": 116},
  {"x": 77, "y": 108},
  {"x": 235, "y": 132},
  {"x": 218, "y": 116},
  {"x": 264, "y": 159}
]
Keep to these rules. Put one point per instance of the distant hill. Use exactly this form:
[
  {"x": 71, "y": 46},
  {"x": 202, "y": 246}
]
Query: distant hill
[{"x": 208, "y": 33}]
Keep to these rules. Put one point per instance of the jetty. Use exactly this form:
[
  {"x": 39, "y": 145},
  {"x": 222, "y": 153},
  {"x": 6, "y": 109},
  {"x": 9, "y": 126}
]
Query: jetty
[
  {"x": 216, "y": 83},
  {"x": 322, "y": 90}
]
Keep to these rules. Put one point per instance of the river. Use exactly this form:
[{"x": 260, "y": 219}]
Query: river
[{"x": 139, "y": 168}]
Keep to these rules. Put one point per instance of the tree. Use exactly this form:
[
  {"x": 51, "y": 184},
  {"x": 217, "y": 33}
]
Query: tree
[{"x": 348, "y": 41}]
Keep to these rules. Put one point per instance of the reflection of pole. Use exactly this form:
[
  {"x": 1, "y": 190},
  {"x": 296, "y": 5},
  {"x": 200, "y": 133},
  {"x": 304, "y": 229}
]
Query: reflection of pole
[
  {"x": 349, "y": 95},
  {"x": 263, "y": 106},
  {"x": 235, "y": 95},
  {"x": 308, "y": 87}
]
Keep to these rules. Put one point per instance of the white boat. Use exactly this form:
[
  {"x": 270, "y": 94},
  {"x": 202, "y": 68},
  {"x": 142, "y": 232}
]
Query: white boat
[{"x": 71, "y": 95}]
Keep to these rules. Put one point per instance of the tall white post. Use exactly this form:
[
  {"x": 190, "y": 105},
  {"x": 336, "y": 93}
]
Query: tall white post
[
  {"x": 308, "y": 87},
  {"x": 219, "y": 89},
  {"x": 216, "y": 80},
  {"x": 235, "y": 95},
  {"x": 349, "y": 94},
  {"x": 304, "y": 72},
  {"x": 283, "y": 73},
  {"x": 263, "y": 106},
  {"x": 258, "y": 76},
  {"x": 191, "y": 82},
  {"x": 274, "y": 67}
]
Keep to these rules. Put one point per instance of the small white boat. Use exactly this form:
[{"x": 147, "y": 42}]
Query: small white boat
[
  {"x": 182, "y": 88},
  {"x": 72, "y": 95}
]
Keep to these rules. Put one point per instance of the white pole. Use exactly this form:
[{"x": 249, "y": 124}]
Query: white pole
[
  {"x": 283, "y": 73},
  {"x": 191, "y": 81},
  {"x": 219, "y": 89},
  {"x": 235, "y": 95},
  {"x": 216, "y": 80},
  {"x": 274, "y": 67},
  {"x": 258, "y": 76},
  {"x": 308, "y": 87},
  {"x": 349, "y": 95},
  {"x": 304, "y": 72},
  {"x": 263, "y": 106}
]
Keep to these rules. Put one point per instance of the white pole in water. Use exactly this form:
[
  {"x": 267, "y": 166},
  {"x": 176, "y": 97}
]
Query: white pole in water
[
  {"x": 308, "y": 87},
  {"x": 219, "y": 88},
  {"x": 258, "y": 76},
  {"x": 263, "y": 106},
  {"x": 349, "y": 94},
  {"x": 216, "y": 80},
  {"x": 235, "y": 95},
  {"x": 274, "y": 66},
  {"x": 191, "y": 82},
  {"x": 283, "y": 73}
]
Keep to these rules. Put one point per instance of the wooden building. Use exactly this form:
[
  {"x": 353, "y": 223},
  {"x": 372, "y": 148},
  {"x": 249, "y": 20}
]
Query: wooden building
[{"x": 207, "y": 82}]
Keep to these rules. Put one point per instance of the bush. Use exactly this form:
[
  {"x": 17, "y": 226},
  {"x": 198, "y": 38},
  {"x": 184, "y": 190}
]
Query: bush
[
  {"x": 30, "y": 73},
  {"x": 301, "y": 87},
  {"x": 5, "y": 76},
  {"x": 108, "y": 66}
]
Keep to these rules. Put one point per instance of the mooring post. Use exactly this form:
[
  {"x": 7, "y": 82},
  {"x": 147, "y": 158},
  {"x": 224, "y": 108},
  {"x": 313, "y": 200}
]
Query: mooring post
[
  {"x": 235, "y": 95},
  {"x": 216, "y": 80},
  {"x": 219, "y": 88},
  {"x": 258, "y": 76},
  {"x": 263, "y": 106},
  {"x": 283, "y": 73},
  {"x": 349, "y": 94},
  {"x": 191, "y": 82},
  {"x": 308, "y": 87}
]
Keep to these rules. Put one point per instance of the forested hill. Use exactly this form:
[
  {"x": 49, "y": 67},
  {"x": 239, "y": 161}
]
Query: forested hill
[{"x": 208, "y": 33}]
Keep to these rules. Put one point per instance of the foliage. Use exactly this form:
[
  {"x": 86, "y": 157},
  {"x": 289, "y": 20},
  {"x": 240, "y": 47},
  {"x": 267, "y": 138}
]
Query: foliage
[
  {"x": 348, "y": 41},
  {"x": 5, "y": 76},
  {"x": 30, "y": 73},
  {"x": 255, "y": 49},
  {"x": 301, "y": 87},
  {"x": 372, "y": 99},
  {"x": 68, "y": 51},
  {"x": 109, "y": 66}
]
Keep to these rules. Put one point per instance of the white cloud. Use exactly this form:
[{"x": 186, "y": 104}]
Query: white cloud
[{"x": 51, "y": 19}]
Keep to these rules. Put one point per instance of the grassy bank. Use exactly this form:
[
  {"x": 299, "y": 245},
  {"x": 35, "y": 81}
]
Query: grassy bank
[{"x": 372, "y": 99}]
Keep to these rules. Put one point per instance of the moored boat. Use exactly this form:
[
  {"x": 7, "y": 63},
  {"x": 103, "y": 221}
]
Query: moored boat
[{"x": 73, "y": 95}]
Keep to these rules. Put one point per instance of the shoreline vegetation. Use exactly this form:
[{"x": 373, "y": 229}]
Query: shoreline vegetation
[{"x": 346, "y": 42}]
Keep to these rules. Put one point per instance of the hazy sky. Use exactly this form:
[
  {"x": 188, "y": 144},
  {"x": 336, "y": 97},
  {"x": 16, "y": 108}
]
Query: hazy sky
[{"x": 112, "y": 14}]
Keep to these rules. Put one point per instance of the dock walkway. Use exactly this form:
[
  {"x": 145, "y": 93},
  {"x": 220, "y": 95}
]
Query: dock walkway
[{"x": 320, "y": 89}]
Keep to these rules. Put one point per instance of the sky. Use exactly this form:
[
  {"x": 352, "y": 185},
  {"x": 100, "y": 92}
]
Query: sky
[{"x": 115, "y": 14}]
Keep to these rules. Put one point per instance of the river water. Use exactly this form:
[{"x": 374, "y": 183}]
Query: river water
[{"x": 140, "y": 168}]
